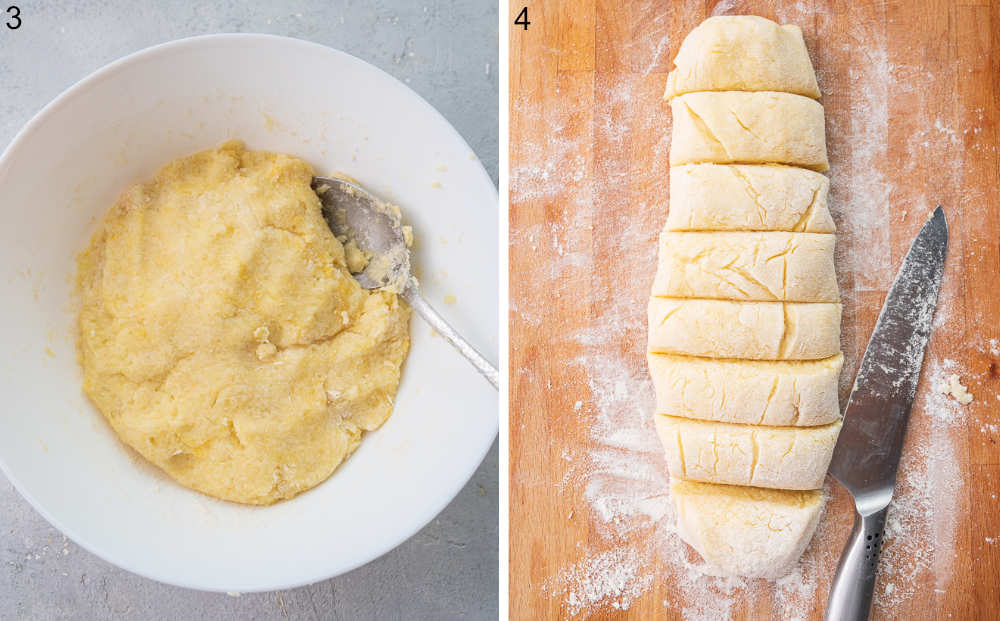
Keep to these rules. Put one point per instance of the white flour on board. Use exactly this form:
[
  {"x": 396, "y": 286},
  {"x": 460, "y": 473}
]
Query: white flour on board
[{"x": 621, "y": 474}]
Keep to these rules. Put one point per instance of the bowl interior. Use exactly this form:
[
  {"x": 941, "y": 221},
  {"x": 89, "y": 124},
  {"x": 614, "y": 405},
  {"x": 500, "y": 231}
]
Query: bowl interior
[{"x": 118, "y": 126}]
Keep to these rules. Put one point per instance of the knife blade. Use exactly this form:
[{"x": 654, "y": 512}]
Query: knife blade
[{"x": 868, "y": 450}]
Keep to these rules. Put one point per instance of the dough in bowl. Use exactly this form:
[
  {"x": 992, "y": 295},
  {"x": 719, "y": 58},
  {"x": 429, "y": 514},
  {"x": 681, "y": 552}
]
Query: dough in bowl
[{"x": 222, "y": 335}]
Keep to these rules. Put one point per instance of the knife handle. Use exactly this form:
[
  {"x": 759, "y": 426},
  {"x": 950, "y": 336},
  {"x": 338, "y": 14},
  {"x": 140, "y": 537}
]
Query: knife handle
[{"x": 854, "y": 584}]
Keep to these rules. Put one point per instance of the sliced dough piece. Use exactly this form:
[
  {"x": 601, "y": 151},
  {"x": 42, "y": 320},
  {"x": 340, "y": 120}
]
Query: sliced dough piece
[
  {"x": 775, "y": 457},
  {"x": 742, "y": 53},
  {"x": 798, "y": 393},
  {"x": 748, "y": 128},
  {"x": 746, "y": 531},
  {"x": 773, "y": 266},
  {"x": 752, "y": 330},
  {"x": 747, "y": 197}
]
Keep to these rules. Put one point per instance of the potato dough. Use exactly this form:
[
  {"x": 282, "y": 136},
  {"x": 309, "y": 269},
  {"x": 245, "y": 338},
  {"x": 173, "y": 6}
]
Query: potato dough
[
  {"x": 746, "y": 531},
  {"x": 798, "y": 393},
  {"x": 742, "y": 53},
  {"x": 774, "y": 457},
  {"x": 748, "y": 128},
  {"x": 744, "y": 197},
  {"x": 752, "y": 330},
  {"x": 744, "y": 314},
  {"x": 221, "y": 334},
  {"x": 774, "y": 266}
]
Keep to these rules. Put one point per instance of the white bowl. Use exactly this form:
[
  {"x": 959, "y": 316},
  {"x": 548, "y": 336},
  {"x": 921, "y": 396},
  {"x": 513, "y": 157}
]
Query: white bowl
[{"x": 116, "y": 127}]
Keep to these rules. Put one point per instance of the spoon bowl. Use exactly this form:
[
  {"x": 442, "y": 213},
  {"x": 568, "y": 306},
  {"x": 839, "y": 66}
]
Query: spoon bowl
[
  {"x": 369, "y": 227},
  {"x": 377, "y": 245}
]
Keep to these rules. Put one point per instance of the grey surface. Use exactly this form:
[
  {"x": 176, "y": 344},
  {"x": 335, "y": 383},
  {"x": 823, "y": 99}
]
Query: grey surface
[{"x": 447, "y": 52}]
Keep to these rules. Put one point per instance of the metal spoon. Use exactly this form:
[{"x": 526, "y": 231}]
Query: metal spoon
[{"x": 354, "y": 214}]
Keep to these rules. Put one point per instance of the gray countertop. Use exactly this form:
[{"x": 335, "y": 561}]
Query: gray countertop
[{"x": 446, "y": 50}]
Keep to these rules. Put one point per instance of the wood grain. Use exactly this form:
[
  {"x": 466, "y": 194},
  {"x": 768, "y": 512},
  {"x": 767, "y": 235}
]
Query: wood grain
[{"x": 588, "y": 156}]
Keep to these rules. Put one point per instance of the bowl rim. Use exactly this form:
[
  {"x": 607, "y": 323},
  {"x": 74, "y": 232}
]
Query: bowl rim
[{"x": 106, "y": 71}]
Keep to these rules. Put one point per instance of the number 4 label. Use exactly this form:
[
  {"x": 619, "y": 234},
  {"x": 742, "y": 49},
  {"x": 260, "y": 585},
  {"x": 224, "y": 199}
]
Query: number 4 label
[{"x": 522, "y": 18}]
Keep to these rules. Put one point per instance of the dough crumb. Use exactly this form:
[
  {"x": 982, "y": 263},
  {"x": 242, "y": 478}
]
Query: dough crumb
[
  {"x": 435, "y": 185},
  {"x": 393, "y": 210},
  {"x": 450, "y": 299},
  {"x": 266, "y": 351},
  {"x": 265, "y": 348},
  {"x": 954, "y": 388},
  {"x": 357, "y": 259}
]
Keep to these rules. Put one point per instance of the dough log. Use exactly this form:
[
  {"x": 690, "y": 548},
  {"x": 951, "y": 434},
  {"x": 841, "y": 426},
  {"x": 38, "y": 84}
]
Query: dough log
[
  {"x": 744, "y": 315},
  {"x": 742, "y": 53},
  {"x": 748, "y": 128},
  {"x": 744, "y": 197},
  {"x": 774, "y": 457},
  {"x": 751, "y": 330},
  {"x": 746, "y": 531},
  {"x": 793, "y": 267},
  {"x": 799, "y": 393}
]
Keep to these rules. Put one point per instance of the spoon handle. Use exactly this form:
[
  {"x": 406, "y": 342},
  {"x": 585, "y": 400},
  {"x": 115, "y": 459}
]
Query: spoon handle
[{"x": 416, "y": 301}]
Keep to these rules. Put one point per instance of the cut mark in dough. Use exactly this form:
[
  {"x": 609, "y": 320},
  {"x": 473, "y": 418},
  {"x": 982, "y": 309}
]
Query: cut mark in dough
[
  {"x": 807, "y": 215},
  {"x": 706, "y": 131}
]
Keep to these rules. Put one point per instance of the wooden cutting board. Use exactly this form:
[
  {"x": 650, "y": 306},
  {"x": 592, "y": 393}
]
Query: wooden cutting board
[{"x": 911, "y": 95}]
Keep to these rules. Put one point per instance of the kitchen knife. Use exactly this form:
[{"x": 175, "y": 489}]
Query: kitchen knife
[{"x": 871, "y": 441}]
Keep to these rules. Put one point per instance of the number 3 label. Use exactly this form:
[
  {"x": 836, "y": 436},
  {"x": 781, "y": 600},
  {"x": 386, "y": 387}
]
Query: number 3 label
[{"x": 14, "y": 21}]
